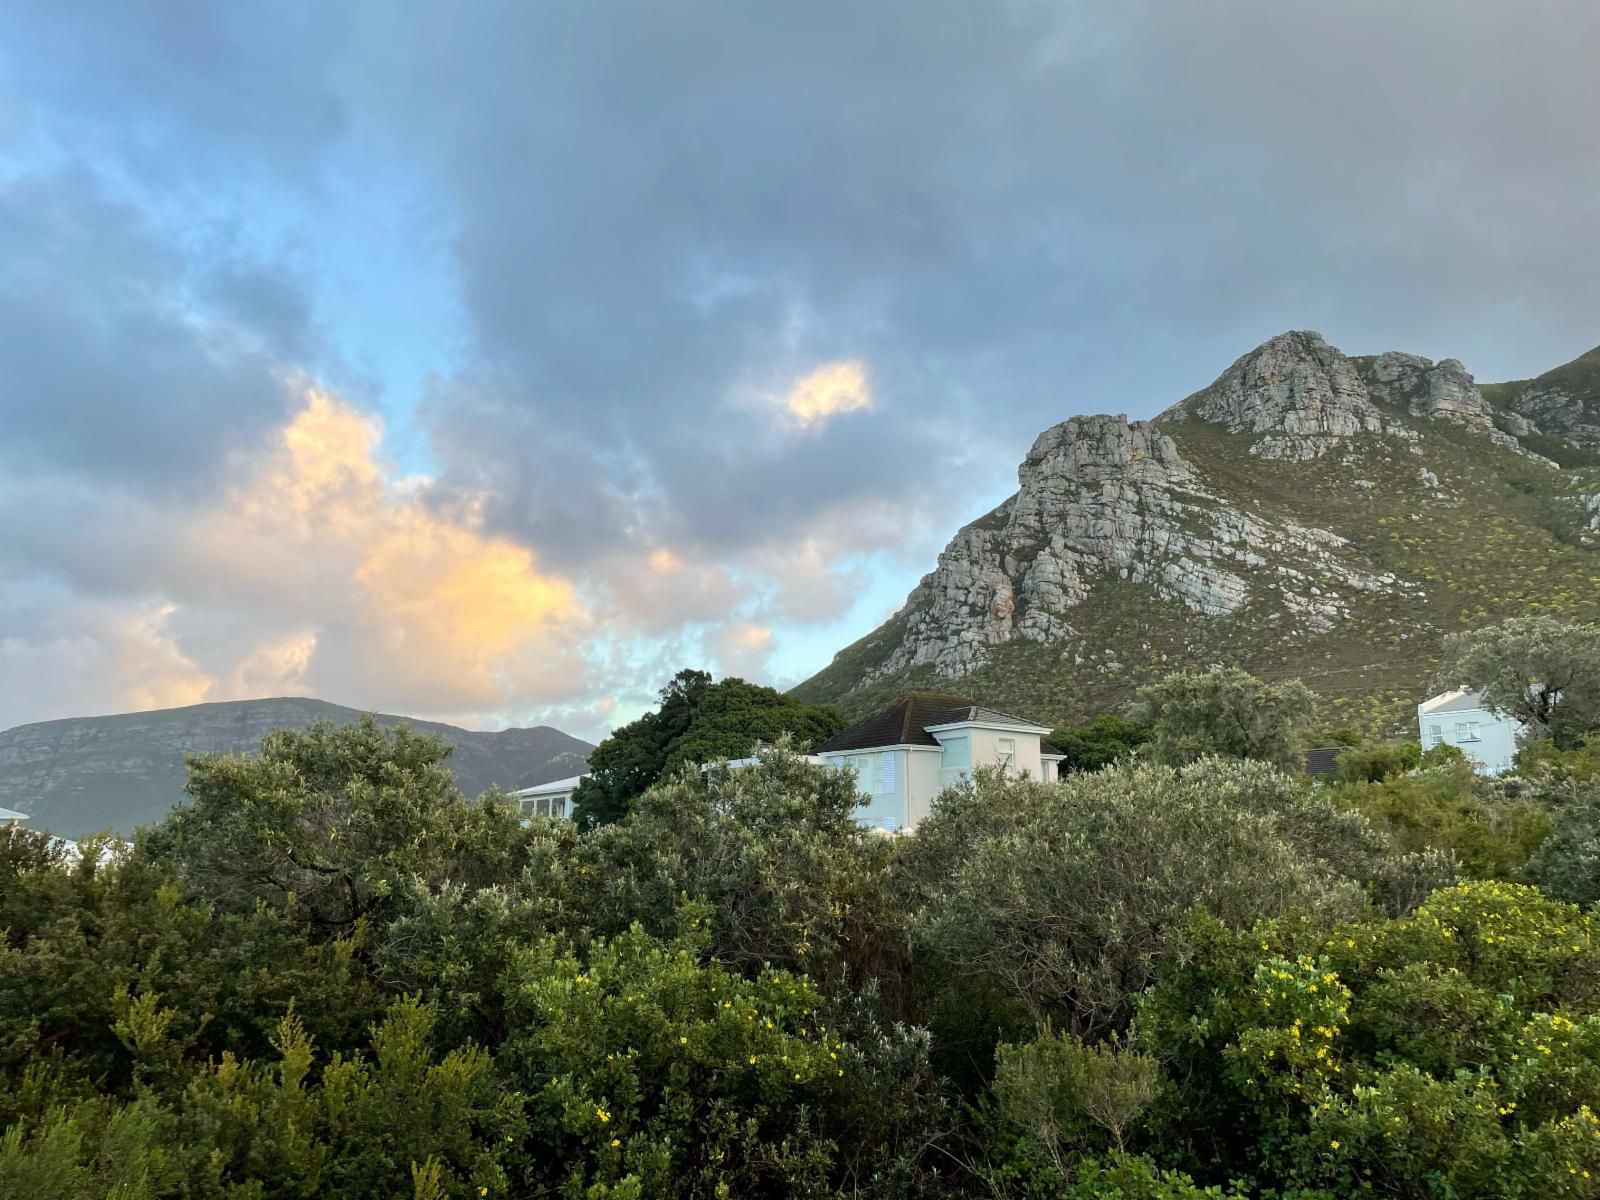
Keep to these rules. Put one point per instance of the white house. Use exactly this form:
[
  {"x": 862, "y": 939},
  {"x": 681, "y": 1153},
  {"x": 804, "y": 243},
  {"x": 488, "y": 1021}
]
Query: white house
[
  {"x": 907, "y": 754},
  {"x": 1459, "y": 719},
  {"x": 551, "y": 799}
]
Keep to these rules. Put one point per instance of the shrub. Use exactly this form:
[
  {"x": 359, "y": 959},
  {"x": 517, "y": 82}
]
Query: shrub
[
  {"x": 1062, "y": 896},
  {"x": 1226, "y": 712}
]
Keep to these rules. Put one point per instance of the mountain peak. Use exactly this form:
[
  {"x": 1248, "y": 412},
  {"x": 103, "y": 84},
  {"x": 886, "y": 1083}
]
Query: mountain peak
[
  {"x": 1307, "y": 513},
  {"x": 1301, "y": 393}
]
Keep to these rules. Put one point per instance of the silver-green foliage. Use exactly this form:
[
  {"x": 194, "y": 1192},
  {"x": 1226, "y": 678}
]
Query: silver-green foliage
[
  {"x": 1065, "y": 896},
  {"x": 1227, "y": 712},
  {"x": 1543, "y": 672}
]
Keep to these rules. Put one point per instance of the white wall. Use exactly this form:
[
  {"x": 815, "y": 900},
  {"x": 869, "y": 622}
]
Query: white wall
[
  {"x": 882, "y": 808},
  {"x": 1492, "y": 745},
  {"x": 986, "y": 750},
  {"x": 924, "y": 782}
]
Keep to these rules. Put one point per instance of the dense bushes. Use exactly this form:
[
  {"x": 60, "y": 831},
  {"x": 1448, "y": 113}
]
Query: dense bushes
[
  {"x": 1454, "y": 1053},
  {"x": 332, "y": 975},
  {"x": 1061, "y": 896}
]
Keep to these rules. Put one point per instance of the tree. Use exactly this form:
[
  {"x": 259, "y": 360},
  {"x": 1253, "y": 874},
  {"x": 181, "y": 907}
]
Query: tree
[
  {"x": 1062, "y": 896},
  {"x": 334, "y": 823},
  {"x": 1098, "y": 743},
  {"x": 1543, "y": 672},
  {"x": 1567, "y": 863},
  {"x": 698, "y": 721},
  {"x": 1227, "y": 712},
  {"x": 792, "y": 878}
]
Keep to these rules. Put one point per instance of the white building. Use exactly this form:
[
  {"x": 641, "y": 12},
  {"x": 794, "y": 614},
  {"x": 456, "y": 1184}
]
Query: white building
[
  {"x": 1459, "y": 719},
  {"x": 906, "y": 755},
  {"x": 10, "y": 817},
  {"x": 553, "y": 799}
]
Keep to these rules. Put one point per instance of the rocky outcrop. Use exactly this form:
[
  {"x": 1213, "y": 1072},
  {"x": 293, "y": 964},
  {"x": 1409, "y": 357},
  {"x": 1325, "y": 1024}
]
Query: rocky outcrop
[
  {"x": 1563, "y": 415},
  {"x": 1102, "y": 497},
  {"x": 1298, "y": 391},
  {"x": 1441, "y": 391},
  {"x": 1391, "y": 515}
]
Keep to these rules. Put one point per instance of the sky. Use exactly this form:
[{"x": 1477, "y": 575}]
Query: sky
[{"x": 490, "y": 362}]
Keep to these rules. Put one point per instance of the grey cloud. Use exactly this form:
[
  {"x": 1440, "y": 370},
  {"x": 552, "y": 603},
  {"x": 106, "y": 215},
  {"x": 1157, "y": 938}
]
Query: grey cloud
[
  {"x": 105, "y": 368},
  {"x": 1013, "y": 214}
]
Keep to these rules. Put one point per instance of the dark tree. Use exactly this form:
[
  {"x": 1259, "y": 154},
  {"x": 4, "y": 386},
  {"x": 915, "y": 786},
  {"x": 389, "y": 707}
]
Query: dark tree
[{"x": 698, "y": 721}]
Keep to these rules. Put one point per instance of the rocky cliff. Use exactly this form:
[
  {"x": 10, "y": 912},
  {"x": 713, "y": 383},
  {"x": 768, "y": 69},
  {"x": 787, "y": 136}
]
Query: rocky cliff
[
  {"x": 1308, "y": 512},
  {"x": 85, "y": 774}
]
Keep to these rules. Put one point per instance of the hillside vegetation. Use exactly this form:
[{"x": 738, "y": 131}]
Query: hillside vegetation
[{"x": 1182, "y": 976}]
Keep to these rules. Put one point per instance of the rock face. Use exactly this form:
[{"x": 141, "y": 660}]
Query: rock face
[
  {"x": 1188, "y": 524},
  {"x": 1102, "y": 496},
  {"x": 85, "y": 774},
  {"x": 1299, "y": 391},
  {"x": 1442, "y": 391},
  {"x": 1563, "y": 403}
]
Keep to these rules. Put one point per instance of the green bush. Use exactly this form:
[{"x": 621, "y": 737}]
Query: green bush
[
  {"x": 1062, "y": 896},
  {"x": 1440, "y": 1054}
]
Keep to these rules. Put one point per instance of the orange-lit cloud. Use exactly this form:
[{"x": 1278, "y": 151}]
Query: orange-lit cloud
[
  {"x": 833, "y": 388},
  {"x": 385, "y": 595},
  {"x": 743, "y": 648}
]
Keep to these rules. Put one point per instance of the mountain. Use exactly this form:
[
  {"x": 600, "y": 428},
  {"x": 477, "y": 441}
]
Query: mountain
[
  {"x": 1308, "y": 514},
  {"x": 84, "y": 774}
]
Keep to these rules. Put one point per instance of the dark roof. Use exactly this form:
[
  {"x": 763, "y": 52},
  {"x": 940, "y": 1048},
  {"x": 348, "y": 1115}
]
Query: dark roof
[
  {"x": 1324, "y": 760},
  {"x": 906, "y": 722}
]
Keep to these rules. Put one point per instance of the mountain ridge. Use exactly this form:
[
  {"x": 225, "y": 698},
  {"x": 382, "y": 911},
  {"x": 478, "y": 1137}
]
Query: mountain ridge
[
  {"x": 1302, "y": 502},
  {"x": 77, "y": 775}
]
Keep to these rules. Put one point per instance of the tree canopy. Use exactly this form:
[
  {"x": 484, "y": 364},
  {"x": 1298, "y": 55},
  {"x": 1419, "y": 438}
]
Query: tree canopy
[
  {"x": 698, "y": 721},
  {"x": 332, "y": 974},
  {"x": 1098, "y": 743},
  {"x": 1543, "y": 672},
  {"x": 1227, "y": 712}
]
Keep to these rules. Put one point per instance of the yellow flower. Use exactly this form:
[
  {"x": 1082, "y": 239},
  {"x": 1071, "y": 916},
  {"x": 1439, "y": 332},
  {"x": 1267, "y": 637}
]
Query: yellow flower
[
  {"x": 683, "y": 1041},
  {"x": 615, "y": 1142},
  {"x": 1334, "y": 1143},
  {"x": 483, "y": 1191},
  {"x": 603, "y": 1115}
]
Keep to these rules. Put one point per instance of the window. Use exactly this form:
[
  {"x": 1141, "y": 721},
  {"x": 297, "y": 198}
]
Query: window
[
  {"x": 1467, "y": 731},
  {"x": 957, "y": 754},
  {"x": 1006, "y": 754},
  {"x": 1435, "y": 734},
  {"x": 886, "y": 772},
  {"x": 544, "y": 806}
]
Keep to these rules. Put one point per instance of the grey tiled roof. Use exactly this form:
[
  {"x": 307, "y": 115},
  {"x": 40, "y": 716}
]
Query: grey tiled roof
[{"x": 906, "y": 722}]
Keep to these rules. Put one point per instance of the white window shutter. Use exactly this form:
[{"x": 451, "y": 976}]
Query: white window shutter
[{"x": 886, "y": 772}]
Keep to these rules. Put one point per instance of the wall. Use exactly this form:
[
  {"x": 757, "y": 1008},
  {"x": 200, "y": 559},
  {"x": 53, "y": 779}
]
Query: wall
[
  {"x": 986, "y": 750},
  {"x": 883, "y": 809},
  {"x": 924, "y": 782},
  {"x": 1495, "y": 748}
]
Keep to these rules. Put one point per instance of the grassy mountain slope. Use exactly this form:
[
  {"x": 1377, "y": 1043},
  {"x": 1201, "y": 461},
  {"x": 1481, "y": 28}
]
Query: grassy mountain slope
[
  {"x": 84, "y": 774},
  {"x": 1470, "y": 530}
]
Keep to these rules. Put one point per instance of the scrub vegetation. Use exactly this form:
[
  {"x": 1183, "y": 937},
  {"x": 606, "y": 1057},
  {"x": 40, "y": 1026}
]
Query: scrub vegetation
[{"x": 1180, "y": 972}]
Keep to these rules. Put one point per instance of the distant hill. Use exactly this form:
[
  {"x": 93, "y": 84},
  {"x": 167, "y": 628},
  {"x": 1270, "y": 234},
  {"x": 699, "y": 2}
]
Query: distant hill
[
  {"x": 1308, "y": 514},
  {"x": 83, "y": 774}
]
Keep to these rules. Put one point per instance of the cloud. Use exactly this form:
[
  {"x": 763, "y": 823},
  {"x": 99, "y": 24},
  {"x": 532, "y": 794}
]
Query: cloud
[
  {"x": 108, "y": 369},
  {"x": 94, "y": 658},
  {"x": 428, "y": 609},
  {"x": 318, "y": 570},
  {"x": 835, "y": 387},
  {"x": 696, "y": 319},
  {"x": 743, "y": 649}
]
